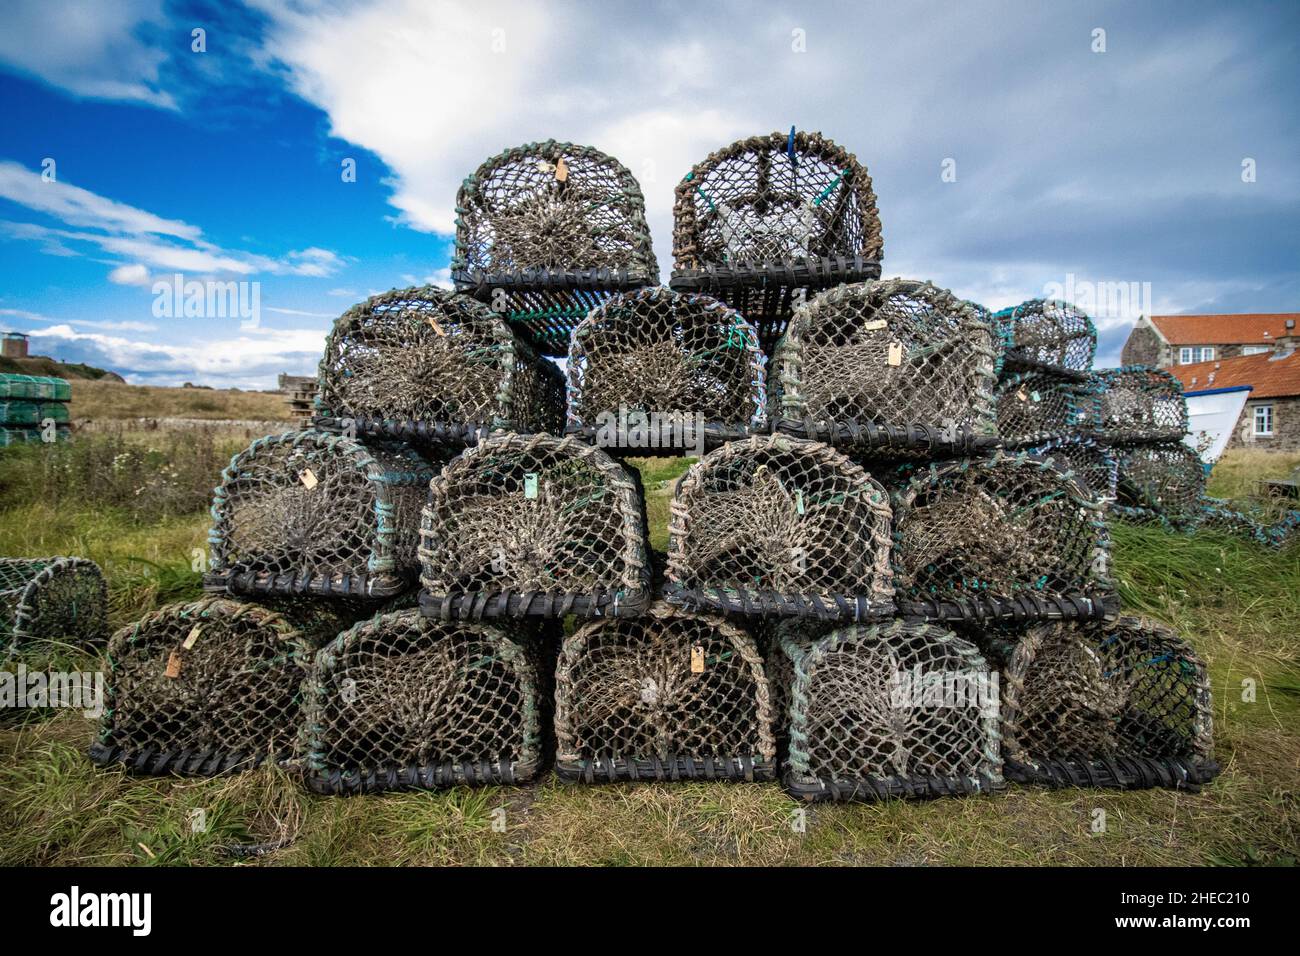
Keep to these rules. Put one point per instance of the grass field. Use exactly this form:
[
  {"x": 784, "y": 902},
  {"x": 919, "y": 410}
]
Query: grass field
[
  {"x": 99, "y": 401},
  {"x": 1238, "y": 604}
]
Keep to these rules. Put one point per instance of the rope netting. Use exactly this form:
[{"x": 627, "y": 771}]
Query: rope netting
[
  {"x": 1107, "y": 705},
  {"x": 1037, "y": 407},
  {"x": 400, "y": 702},
  {"x": 670, "y": 695},
  {"x": 59, "y": 600},
  {"x": 1089, "y": 462},
  {"x": 1167, "y": 478},
  {"x": 534, "y": 525},
  {"x": 1044, "y": 333},
  {"x": 895, "y": 365},
  {"x": 1141, "y": 404},
  {"x": 1009, "y": 536},
  {"x": 780, "y": 525},
  {"x": 431, "y": 365},
  {"x": 208, "y": 687},
  {"x": 899, "y": 709},
  {"x": 314, "y": 513},
  {"x": 677, "y": 356}
]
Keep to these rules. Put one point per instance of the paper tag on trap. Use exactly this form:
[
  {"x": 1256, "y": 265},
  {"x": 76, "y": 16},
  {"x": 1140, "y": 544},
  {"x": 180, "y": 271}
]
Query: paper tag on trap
[
  {"x": 1022, "y": 395},
  {"x": 193, "y": 637},
  {"x": 530, "y": 485},
  {"x": 798, "y": 500},
  {"x": 1035, "y": 396},
  {"x": 895, "y": 353},
  {"x": 173, "y": 670},
  {"x": 697, "y": 659},
  {"x": 875, "y": 325},
  {"x": 436, "y": 327},
  {"x": 561, "y": 170},
  {"x": 308, "y": 479}
]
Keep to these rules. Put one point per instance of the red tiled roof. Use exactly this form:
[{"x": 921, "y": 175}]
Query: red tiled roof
[
  {"x": 1252, "y": 328},
  {"x": 1269, "y": 374}
]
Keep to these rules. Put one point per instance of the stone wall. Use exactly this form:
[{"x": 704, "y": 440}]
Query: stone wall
[
  {"x": 1286, "y": 426},
  {"x": 1142, "y": 347}
]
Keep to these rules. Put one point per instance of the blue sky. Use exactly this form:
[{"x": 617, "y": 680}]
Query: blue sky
[{"x": 1100, "y": 170}]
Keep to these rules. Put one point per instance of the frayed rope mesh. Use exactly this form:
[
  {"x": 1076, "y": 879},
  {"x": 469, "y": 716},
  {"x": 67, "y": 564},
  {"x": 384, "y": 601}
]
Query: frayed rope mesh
[
  {"x": 60, "y": 600},
  {"x": 401, "y": 702},
  {"x": 893, "y": 710},
  {"x": 313, "y": 513},
  {"x": 1037, "y": 407},
  {"x": 430, "y": 365},
  {"x": 1141, "y": 404},
  {"x": 1167, "y": 478},
  {"x": 208, "y": 687},
  {"x": 1044, "y": 333},
  {"x": 1114, "y": 705},
  {"x": 782, "y": 526},
  {"x": 1008, "y": 536},
  {"x": 896, "y": 365},
  {"x": 670, "y": 695},
  {"x": 659, "y": 351},
  {"x": 534, "y": 525},
  {"x": 1092, "y": 464}
]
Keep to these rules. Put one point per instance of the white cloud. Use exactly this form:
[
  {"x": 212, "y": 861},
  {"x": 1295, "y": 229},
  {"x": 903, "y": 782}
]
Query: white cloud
[
  {"x": 133, "y": 274},
  {"x": 313, "y": 315},
  {"x": 108, "y": 326},
  {"x": 349, "y": 293}
]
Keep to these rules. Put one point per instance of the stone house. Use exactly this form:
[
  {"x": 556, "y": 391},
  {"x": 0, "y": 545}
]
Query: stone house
[
  {"x": 1168, "y": 340},
  {"x": 1270, "y": 419}
]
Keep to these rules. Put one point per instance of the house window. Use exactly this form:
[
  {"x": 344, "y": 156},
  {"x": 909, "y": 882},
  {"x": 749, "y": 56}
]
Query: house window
[
  {"x": 1263, "y": 419},
  {"x": 1254, "y": 349},
  {"x": 1185, "y": 355},
  {"x": 1206, "y": 353}
]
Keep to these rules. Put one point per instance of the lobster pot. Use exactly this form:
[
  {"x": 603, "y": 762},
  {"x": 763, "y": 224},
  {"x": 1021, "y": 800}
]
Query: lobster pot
[
  {"x": 1106, "y": 705},
  {"x": 429, "y": 365},
  {"x": 657, "y": 371},
  {"x": 668, "y": 696},
  {"x": 1010, "y": 536},
  {"x": 534, "y": 526},
  {"x": 1043, "y": 334},
  {"x": 546, "y": 231},
  {"x": 1038, "y": 407},
  {"x": 1167, "y": 478},
  {"x": 61, "y": 600},
  {"x": 779, "y": 525},
  {"x": 1140, "y": 404},
  {"x": 315, "y": 513},
  {"x": 896, "y": 709},
  {"x": 40, "y": 387},
  {"x": 898, "y": 367},
  {"x": 207, "y": 687},
  {"x": 771, "y": 220},
  {"x": 401, "y": 702},
  {"x": 1089, "y": 462},
  {"x": 31, "y": 414}
]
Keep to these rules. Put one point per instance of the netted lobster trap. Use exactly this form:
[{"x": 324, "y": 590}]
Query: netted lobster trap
[
  {"x": 1043, "y": 334},
  {"x": 545, "y": 231},
  {"x": 1167, "y": 478},
  {"x": 534, "y": 525},
  {"x": 898, "y": 709},
  {"x": 1140, "y": 404},
  {"x": 1089, "y": 462},
  {"x": 311, "y": 512},
  {"x": 657, "y": 371},
  {"x": 1006, "y": 537},
  {"x": 1038, "y": 407},
  {"x": 401, "y": 702},
  {"x": 59, "y": 600},
  {"x": 896, "y": 366},
  {"x": 780, "y": 525},
  {"x": 1122, "y": 705},
  {"x": 208, "y": 687},
  {"x": 671, "y": 695},
  {"x": 428, "y": 365},
  {"x": 769, "y": 220}
]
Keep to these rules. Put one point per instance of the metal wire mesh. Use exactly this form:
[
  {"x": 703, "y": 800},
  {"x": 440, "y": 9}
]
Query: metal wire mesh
[
  {"x": 1006, "y": 536},
  {"x": 1141, "y": 404},
  {"x": 1089, "y": 462},
  {"x": 208, "y": 687},
  {"x": 780, "y": 525},
  {"x": 1167, "y": 478},
  {"x": 314, "y": 513},
  {"x": 428, "y": 364},
  {"x": 61, "y": 600},
  {"x": 1114, "y": 705},
  {"x": 671, "y": 355},
  {"x": 900, "y": 709},
  {"x": 1037, "y": 407},
  {"x": 534, "y": 525},
  {"x": 669, "y": 695},
  {"x": 1044, "y": 333},
  {"x": 895, "y": 365},
  {"x": 401, "y": 702}
]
